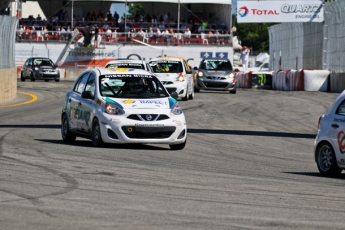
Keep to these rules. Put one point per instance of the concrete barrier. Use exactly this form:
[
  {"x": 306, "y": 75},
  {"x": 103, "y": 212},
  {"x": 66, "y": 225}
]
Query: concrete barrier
[
  {"x": 337, "y": 82},
  {"x": 8, "y": 85},
  {"x": 316, "y": 80}
]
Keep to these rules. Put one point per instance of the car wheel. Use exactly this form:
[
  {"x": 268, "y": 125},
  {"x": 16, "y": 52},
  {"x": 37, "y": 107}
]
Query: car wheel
[
  {"x": 233, "y": 91},
  {"x": 326, "y": 160},
  {"x": 185, "y": 98},
  {"x": 178, "y": 146},
  {"x": 57, "y": 80},
  {"x": 22, "y": 78},
  {"x": 191, "y": 96},
  {"x": 196, "y": 90},
  {"x": 96, "y": 134},
  {"x": 46, "y": 80},
  {"x": 32, "y": 77},
  {"x": 66, "y": 134}
]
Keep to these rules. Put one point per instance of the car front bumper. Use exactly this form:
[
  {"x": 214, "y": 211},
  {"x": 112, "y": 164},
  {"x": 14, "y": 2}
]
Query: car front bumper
[
  {"x": 47, "y": 75},
  {"x": 179, "y": 87},
  {"x": 217, "y": 85},
  {"x": 121, "y": 130}
]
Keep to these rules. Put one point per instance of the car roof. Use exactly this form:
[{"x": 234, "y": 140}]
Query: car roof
[
  {"x": 126, "y": 61},
  {"x": 105, "y": 71},
  {"x": 213, "y": 58},
  {"x": 166, "y": 58}
]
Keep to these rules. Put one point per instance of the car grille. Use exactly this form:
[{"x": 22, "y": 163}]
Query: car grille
[
  {"x": 215, "y": 78},
  {"x": 148, "y": 117},
  {"x": 138, "y": 132},
  {"x": 216, "y": 84},
  {"x": 167, "y": 82}
]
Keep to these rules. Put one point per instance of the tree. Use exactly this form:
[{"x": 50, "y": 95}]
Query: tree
[
  {"x": 253, "y": 35},
  {"x": 136, "y": 11}
]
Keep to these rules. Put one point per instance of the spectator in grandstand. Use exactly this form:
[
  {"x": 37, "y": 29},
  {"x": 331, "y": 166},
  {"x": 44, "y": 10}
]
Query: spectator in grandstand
[
  {"x": 187, "y": 35},
  {"x": 116, "y": 18},
  {"x": 39, "y": 18},
  {"x": 20, "y": 33},
  {"x": 141, "y": 34},
  {"x": 165, "y": 35},
  {"x": 62, "y": 33},
  {"x": 156, "y": 36},
  {"x": 245, "y": 57},
  {"x": 150, "y": 34},
  {"x": 109, "y": 16}
]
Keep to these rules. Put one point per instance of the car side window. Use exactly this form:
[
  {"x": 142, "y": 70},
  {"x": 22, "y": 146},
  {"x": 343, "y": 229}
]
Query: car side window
[
  {"x": 91, "y": 84},
  {"x": 341, "y": 108},
  {"x": 28, "y": 62},
  {"x": 80, "y": 86}
]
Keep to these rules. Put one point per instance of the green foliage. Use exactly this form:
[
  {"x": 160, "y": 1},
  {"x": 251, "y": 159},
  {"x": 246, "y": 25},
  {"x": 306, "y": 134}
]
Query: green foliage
[
  {"x": 253, "y": 35},
  {"x": 136, "y": 11}
]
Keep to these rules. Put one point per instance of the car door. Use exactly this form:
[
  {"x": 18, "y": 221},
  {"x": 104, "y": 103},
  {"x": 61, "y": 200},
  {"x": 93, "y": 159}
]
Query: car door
[
  {"x": 188, "y": 76},
  {"x": 87, "y": 106},
  {"x": 75, "y": 104},
  {"x": 337, "y": 132},
  {"x": 26, "y": 67}
]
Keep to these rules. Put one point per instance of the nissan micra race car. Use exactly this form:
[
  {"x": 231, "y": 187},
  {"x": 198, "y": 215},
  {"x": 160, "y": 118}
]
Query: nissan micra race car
[
  {"x": 122, "y": 106},
  {"x": 175, "y": 74},
  {"x": 215, "y": 74},
  {"x": 329, "y": 145}
]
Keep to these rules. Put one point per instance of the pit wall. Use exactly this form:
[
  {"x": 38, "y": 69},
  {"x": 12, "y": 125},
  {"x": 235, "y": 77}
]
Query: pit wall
[
  {"x": 293, "y": 80},
  {"x": 8, "y": 86}
]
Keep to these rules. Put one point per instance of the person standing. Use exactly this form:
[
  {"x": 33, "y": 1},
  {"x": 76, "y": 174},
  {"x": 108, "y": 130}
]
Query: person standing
[{"x": 245, "y": 58}]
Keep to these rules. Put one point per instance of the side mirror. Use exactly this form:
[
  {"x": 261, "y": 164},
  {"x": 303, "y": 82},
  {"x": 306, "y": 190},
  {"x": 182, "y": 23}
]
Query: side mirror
[
  {"x": 87, "y": 95},
  {"x": 174, "y": 95},
  {"x": 195, "y": 68}
]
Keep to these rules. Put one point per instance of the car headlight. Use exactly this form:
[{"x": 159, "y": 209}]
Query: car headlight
[
  {"x": 180, "y": 77},
  {"x": 110, "y": 108},
  {"x": 36, "y": 68},
  {"x": 232, "y": 75},
  {"x": 200, "y": 74},
  {"x": 57, "y": 69},
  {"x": 176, "y": 109}
]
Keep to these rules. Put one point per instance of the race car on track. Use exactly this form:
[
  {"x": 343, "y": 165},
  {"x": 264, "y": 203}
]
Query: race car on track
[
  {"x": 39, "y": 68},
  {"x": 129, "y": 63},
  {"x": 122, "y": 106},
  {"x": 215, "y": 74},
  {"x": 329, "y": 145},
  {"x": 175, "y": 74}
]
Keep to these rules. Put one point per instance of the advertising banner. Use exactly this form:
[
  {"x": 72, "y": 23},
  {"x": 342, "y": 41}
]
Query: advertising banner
[{"x": 279, "y": 11}]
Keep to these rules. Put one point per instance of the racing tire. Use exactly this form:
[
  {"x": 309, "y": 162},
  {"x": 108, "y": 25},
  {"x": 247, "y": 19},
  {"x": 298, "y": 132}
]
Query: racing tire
[
  {"x": 22, "y": 78},
  {"x": 326, "y": 160},
  {"x": 178, "y": 146},
  {"x": 197, "y": 90},
  {"x": 57, "y": 80},
  {"x": 233, "y": 91},
  {"x": 46, "y": 80},
  {"x": 191, "y": 96},
  {"x": 66, "y": 134},
  {"x": 185, "y": 98},
  {"x": 96, "y": 136},
  {"x": 32, "y": 77}
]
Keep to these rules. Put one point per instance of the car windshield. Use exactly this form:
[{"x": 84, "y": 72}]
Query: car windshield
[
  {"x": 43, "y": 62},
  {"x": 125, "y": 65},
  {"x": 131, "y": 86},
  {"x": 216, "y": 65},
  {"x": 166, "y": 66},
  {"x": 258, "y": 64}
]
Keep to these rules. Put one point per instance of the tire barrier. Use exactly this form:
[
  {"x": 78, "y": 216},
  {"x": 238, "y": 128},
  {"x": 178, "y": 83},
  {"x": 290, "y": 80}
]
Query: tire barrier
[
  {"x": 300, "y": 80},
  {"x": 244, "y": 80},
  {"x": 316, "y": 80},
  {"x": 262, "y": 80}
]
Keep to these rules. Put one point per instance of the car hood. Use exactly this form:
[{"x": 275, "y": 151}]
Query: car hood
[
  {"x": 217, "y": 72},
  {"x": 143, "y": 103},
  {"x": 167, "y": 76}
]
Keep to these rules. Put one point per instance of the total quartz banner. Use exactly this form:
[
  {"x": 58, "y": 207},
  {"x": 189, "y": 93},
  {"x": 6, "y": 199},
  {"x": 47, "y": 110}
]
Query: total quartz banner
[{"x": 279, "y": 11}]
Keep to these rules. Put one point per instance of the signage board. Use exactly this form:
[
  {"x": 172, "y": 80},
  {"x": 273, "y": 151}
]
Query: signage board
[{"x": 279, "y": 11}]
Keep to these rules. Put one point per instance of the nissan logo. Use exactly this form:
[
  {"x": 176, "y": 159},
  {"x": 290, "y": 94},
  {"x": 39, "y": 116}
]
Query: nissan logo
[{"x": 148, "y": 117}]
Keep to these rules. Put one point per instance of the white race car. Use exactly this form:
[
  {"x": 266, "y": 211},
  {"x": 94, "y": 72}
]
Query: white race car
[
  {"x": 122, "y": 106},
  {"x": 329, "y": 145},
  {"x": 175, "y": 74},
  {"x": 128, "y": 63}
]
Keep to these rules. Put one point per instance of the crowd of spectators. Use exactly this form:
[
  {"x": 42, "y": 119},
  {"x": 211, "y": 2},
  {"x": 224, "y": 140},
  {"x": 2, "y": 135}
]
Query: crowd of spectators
[{"x": 156, "y": 28}]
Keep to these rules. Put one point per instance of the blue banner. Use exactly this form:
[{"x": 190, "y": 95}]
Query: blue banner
[
  {"x": 221, "y": 55},
  {"x": 205, "y": 54}
]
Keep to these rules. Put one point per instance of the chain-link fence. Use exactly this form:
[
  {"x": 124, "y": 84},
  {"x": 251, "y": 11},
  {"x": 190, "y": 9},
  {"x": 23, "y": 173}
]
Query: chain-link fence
[
  {"x": 8, "y": 70},
  {"x": 311, "y": 45},
  {"x": 8, "y": 27}
]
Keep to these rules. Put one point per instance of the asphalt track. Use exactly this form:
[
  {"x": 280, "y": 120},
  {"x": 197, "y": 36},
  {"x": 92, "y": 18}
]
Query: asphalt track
[{"x": 248, "y": 164}]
